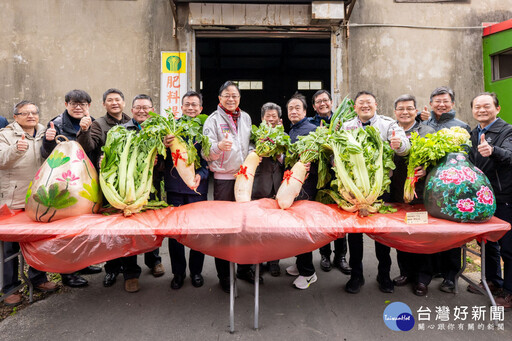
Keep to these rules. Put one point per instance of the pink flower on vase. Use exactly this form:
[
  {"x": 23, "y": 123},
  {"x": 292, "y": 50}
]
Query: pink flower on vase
[
  {"x": 37, "y": 174},
  {"x": 452, "y": 175},
  {"x": 68, "y": 177},
  {"x": 469, "y": 174},
  {"x": 452, "y": 161},
  {"x": 485, "y": 195},
  {"x": 460, "y": 157},
  {"x": 466, "y": 205}
]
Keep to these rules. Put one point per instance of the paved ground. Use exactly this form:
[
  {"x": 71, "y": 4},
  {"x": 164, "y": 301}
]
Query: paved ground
[{"x": 323, "y": 312}]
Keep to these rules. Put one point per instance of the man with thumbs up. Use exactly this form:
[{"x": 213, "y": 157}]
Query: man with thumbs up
[
  {"x": 77, "y": 103},
  {"x": 491, "y": 152}
]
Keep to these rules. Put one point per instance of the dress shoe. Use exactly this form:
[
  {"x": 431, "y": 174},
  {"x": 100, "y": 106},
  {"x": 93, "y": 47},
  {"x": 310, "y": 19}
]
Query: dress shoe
[
  {"x": 13, "y": 300},
  {"x": 224, "y": 284},
  {"x": 158, "y": 270},
  {"x": 248, "y": 276},
  {"x": 420, "y": 289},
  {"x": 354, "y": 285},
  {"x": 73, "y": 280},
  {"x": 177, "y": 281},
  {"x": 274, "y": 269},
  {"x": 90, "y": 270},
  {"x": 342, "y": 265},
  {"x": 197, "y": 280},
  {"x": 385, "y": 284},
  {"x": 495, "y": 290},
  {"x": 131, "y": 285},
  {"x": 447, "y": 286},
  {"x": 505, "y": 301},
  {"x": 110, "y": 279},
  {"x": 401, "y": 281},
  {"x": 325, "y": 263},
  {"x": 47, "y": 287}
]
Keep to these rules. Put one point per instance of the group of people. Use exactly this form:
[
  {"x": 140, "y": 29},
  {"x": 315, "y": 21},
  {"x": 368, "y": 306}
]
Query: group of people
[{"x": 25, "y": 143}]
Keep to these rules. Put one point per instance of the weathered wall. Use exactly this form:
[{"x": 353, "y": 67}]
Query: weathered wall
[
  {"x": 49, "y": 47},
  {"x": 390, "y": 61}
]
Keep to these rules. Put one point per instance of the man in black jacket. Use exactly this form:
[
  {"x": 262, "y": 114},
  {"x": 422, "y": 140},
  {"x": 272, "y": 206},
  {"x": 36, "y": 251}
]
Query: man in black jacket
[
  {"x": 178, "y": 193},
  {"x": 491, "y": 152},
  {"x": 77, "y": 103}
]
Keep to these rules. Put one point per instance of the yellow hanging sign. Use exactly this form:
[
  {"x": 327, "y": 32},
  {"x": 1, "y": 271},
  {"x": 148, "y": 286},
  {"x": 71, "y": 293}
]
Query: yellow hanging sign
[{"x": 174, "y": 62}]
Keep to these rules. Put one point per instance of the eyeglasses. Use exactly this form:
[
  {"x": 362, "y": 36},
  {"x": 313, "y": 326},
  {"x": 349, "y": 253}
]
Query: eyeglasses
[
  {"x": 25, "y": 114},
  {"x": 405, "y": 109},
  {"x": 230, "y": 96},
  {"x": 193, "y": 105},
  {"x": 76, "y": 104},
  {"x": 320, "y": 101},
  {"x": 145, "y": 108}
]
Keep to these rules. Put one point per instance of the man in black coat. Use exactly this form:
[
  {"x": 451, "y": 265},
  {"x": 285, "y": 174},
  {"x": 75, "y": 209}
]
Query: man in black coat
[
  {"x": 77, "y": 103},
  {"x": 491, "y": 152}
]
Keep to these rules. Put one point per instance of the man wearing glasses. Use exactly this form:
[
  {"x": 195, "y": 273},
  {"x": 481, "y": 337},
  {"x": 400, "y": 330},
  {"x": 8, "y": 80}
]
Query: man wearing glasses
[
  {"x": 141, "y": 106},
  {"x": 77, "y": 103},
  {"x": 322, "y": 104}
]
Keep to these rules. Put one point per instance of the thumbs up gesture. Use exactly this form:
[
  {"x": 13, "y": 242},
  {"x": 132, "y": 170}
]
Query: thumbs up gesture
[
  {"x": 22, "y": 145},
  {"x": 51, "y": 132},
  {"x": 484, "y": 148},
  {"x": 425, "y": 114},
  {"x": 86, "y": 121},
  {"x": 225, "y": 144},
  {"x": 395, "y": 141}
]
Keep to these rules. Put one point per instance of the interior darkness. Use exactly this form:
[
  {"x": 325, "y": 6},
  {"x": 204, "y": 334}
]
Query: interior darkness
[{"x": 279, "y": 62}]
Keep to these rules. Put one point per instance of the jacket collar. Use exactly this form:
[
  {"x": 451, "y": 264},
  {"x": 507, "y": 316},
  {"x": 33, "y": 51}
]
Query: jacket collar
[{"x": 450, "y": 115}]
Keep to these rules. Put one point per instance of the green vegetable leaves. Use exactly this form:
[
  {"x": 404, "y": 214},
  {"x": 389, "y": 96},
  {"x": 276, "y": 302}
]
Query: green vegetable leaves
[{"x": 270, "y": 141}]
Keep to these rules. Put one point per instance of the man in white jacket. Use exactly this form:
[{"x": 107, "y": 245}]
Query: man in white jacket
[{"x": 365, "y": 106}]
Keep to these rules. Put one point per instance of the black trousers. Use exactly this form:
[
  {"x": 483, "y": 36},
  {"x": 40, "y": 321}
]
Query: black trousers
[
  {"x": 355, "y": 244},
  {"x": 176, "y": 249},
  {"x": 11, "y": 278},
  {"x": 128, "y": 265},
  {"x": 340, "y": 248},
  {"x": 502, "y": 249},
  {"x": 416, "y": 266},
  {"x": 450, "y": 263},
  {"x": 225, "y": 190}
]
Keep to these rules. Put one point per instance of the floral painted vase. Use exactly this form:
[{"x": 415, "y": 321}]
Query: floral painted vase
[
  {"x": 65, "y": 185},
  {"x": 457, "y": 190}
]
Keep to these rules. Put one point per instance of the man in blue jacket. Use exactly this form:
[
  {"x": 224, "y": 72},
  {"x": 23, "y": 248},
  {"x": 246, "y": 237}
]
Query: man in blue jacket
[
  {"x": 3, "y": 122},
  {"x": 178, "y": 193}
]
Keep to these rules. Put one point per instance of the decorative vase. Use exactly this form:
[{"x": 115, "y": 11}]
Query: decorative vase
[
  {"x": 457, "y": 190},
  {"x": 65, "y": 185}
]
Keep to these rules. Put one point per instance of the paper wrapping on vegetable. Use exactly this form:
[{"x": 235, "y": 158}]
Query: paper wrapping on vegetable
[
  {"x": 247, "y": 233},
  {"x": 65, "y": 185}
]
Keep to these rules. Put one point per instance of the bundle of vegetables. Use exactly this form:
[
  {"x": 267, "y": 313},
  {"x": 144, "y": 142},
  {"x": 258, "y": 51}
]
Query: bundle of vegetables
[
  {"x": 305, "y": 150},
  {"x": 427, "y": 151},
  {"x": 126, "y": 174},
  {"x": 187, "y": 132},
  {"x": 269, "y": 142},
  {"x": 362, "y": 162},
  {"x": 345, "y": 112}
]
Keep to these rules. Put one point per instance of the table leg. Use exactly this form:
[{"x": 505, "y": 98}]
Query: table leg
[
  {"x": 256, "y": 295},
  {"x": 231, "y": 297}
]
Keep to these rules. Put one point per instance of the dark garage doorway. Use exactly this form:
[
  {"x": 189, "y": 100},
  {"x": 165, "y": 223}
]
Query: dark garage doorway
[{"x": 268, "y": 70}]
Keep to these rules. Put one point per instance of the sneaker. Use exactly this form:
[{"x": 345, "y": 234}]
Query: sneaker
[
  {"x": 131, "y": 285},
  {"x": 47, "y": 287},
  {"x": 292, "y": 270},
  {"x": 303, "y": 282},
  {"x": 447, "y": 286},
  {"x": 158, "y": 270},
  {"x": 13, "y": 300}
]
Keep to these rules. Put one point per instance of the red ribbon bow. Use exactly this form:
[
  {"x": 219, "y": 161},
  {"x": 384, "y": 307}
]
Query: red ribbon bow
[
  {"x": 287, "y": 176},
  {"x": 243, "y": 171},
  {"x": 177, "y": 156}
]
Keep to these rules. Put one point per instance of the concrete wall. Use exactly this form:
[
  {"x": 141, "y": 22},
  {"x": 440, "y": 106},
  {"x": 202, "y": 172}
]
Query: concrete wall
[
  {"x": 390, "y": 61},
  {"x": 48, "y": 47}
]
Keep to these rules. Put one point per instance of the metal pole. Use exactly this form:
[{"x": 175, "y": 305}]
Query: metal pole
[
  {"x": 231, "y": 297},
  {"x": 256, "y": 295},
  {"x": 482, "y": 266}
]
